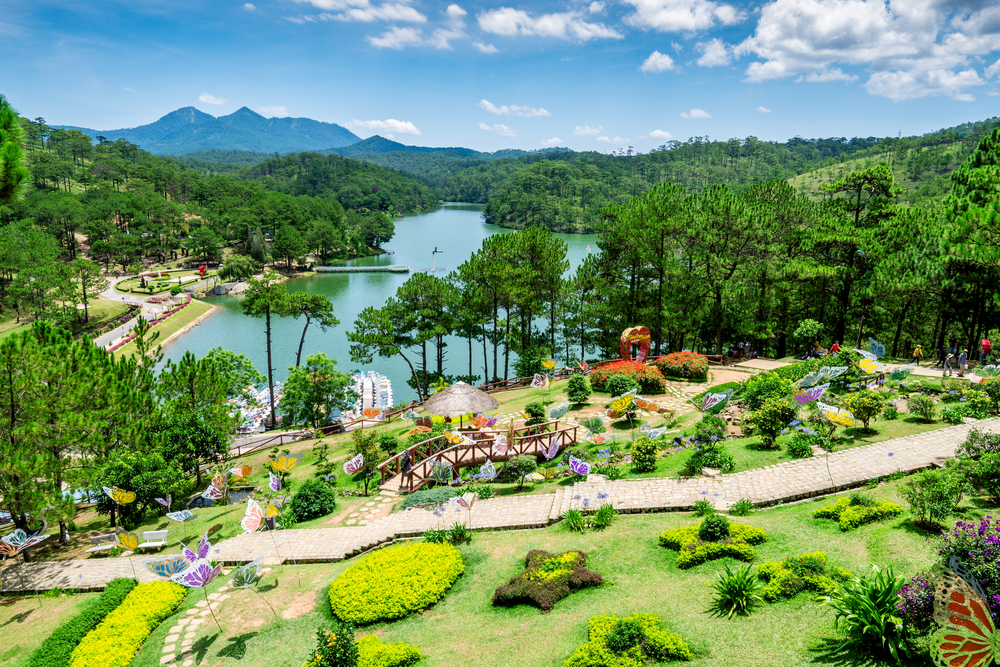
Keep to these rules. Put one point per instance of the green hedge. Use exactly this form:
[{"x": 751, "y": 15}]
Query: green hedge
[
  {"x": 808, "y": 572},
  {"x": 58, "y": 648},
  {"x": 657, "y": 645},
  {"x": 115, "y": 641},
  {"x": 372, "y": 652},
  {"x": 692, "y": 551},
  {"x": 850, "y": 513}
]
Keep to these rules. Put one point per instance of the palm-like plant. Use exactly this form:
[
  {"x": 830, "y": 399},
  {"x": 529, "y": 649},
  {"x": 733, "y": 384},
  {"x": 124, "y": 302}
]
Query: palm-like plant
[
  {"x": 866, "y": 608},
  {"x": 736, "y": 592}
]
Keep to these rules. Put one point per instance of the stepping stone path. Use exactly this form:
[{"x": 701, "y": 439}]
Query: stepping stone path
[
  {"x": 185, "y": 630},
  {"x": 789, "y": 481}
]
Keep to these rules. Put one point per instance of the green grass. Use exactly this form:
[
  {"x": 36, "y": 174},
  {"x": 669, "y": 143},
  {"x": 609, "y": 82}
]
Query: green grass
[
  {"x": 173, "y": 324},
  {"x": 26, "y": 622}
]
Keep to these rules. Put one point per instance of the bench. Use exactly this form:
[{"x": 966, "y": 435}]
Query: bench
[
  {"x": 102, "y": 542},
  {"x": 153, "y": 539}
]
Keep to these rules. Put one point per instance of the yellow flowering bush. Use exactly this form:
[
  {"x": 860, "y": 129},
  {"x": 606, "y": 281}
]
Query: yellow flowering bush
[
  {"x": 115, "y": 641},
  {"x": 657, "y": 645},
  {"x": 372, "y": 652},
  {"x": 394, "y": 582},
  {"x": 857, "y": 509},
  {"x": 691, "y": 550}
]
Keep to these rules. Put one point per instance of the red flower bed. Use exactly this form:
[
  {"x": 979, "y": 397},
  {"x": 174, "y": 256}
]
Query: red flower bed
[
  {"x": 683, "y": 365},
  {"x": 650, "y": 379}
]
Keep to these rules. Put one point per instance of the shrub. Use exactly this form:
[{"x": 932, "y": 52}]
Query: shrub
[
  {"x": 575, "y": 520},
  {"x": 771, "y": 418},
  {"x": 336, "y": 648},
  {"x": 486, "y": 492},
  {"x": 801, "y": 446},
  {"x": 916, "y": 603},
  {"x": 547, "y": 579},
  {"x": 115, "y": 641},
  {"x": 845, "y": 357},
  {"x": 736, "y": 592},
  {"x": 992, "y": 389},
  {"x": 741, "y": 507},
  {"x": 626, "y": 634},
  {"x": 372, "y": 652},
  {"x": 921, "y": 406},
  {"x": 690, "y": 365},
  {"x": 979, "y": 442},
  {"x": 436, "y": 496},
  {"x": 864, "y": 405},
  {"x": 691, "y": 551},
  {"x": 954, "y": 414},
  {"x": 657, "y": 645},
  {"x": 717, "y": 458},
  {"x": 978, "y": 403},
  {"x": 809, "y": 572},
  {"x": 435, "y": 536},
  {"x": 757, "y": 389},
  {"x": 395, "y": 581},
  {"x": 643, "y": 455},
  {"x": 603, "y": 517},
  {"x": 58, "y": 648},
  {"x": 974, "y": 542},
  {"x": 856, "y": 510},
  {"x": 709, "y": 430},
  {"x": 389, "y": 444},
  {"x": 578, "y": 389},
  {"x": 175, "y": 290},
  {"x": 459, "y": 533},
  {"x": 934, "y": 494},
  {"x": 649, "y": 379},
  {"x": 621, "y": 384},
  {"x": 986, "y": 474},
  {"x": 890, "y": 413},
  {"x": 713, "y": 528},
  {"x": 703, "y": 508},
  {"x": 866, "y": 609},
  {"x": 314, "y": 499},
  {"x": 521, "y": 466}
]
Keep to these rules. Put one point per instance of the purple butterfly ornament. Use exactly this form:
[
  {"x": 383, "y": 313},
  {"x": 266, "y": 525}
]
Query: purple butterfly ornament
[
  {"x": 200, "y": 574},
  {"x": 198, "y": 554},
  {"x": 275, "y": 482},
  {"x": 578, "y": 467},
  {"x": 811, "y": 394}
]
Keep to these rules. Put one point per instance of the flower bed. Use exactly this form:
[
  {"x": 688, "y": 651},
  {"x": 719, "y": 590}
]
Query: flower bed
[
  {"x": 690, "y": 365},
  {"x": 115, "y": 641},
  {"x": 976, "y": 544},
  {"x": 394, "y": 582},
  {"x": 692, "y": 550},
  {"x": 547, "y": 579},
  {"x": 131, "y": 337},
  {"x": 608, "y": 639},
  {"x": 58, "y": 648},
  {"x": 650, "y": 379},
  {"x": 856, "y": 510},
  {"x": 808, "y": 572}
]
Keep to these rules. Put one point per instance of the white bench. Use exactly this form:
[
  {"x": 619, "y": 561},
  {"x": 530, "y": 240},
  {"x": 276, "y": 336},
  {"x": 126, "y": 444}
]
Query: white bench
[
  {"x": 153, "y": 539},
  {"x": 102, "y": 542}
]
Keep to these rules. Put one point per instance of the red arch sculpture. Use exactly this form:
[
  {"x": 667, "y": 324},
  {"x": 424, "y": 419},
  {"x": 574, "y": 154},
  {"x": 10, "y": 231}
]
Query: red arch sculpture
[{"x": 635, "y": 336}]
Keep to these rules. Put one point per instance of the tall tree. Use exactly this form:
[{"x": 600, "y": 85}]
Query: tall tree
[
  {"x": 315, "y": 390},
  {"x": 13, "y": 174},
  {"x": 266, "y": 296},
  {"x": 90, "y": 282},
  {"x": 312, "y": 307},
  {"x": 382, "y": 332}
]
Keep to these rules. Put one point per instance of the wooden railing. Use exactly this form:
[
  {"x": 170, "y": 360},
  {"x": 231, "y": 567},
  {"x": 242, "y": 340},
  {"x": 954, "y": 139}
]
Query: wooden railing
[{"x": 275, "y": 440}]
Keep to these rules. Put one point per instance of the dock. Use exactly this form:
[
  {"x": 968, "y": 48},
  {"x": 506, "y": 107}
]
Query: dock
[{"x": 395, "y": 268}]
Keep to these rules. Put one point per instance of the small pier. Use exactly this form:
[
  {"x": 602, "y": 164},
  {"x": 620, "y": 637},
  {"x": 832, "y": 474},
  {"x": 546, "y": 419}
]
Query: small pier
[{"x": 395, "y": 268}]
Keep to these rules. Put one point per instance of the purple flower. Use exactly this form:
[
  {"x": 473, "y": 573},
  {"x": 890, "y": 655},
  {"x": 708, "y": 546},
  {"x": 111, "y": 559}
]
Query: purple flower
[
  {"x": 795, "y": 422},
  {"x": 714, "y": 438},
  {"x": 586, "y": 502},
  {"x": 890, "y": 453}
]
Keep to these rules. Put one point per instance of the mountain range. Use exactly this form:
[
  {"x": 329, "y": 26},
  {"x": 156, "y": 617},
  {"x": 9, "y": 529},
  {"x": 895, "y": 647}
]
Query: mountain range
[{"x": 188, "y": 130}]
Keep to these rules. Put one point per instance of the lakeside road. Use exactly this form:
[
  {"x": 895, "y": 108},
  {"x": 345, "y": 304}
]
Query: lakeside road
[{"x": 178, "y": 324}]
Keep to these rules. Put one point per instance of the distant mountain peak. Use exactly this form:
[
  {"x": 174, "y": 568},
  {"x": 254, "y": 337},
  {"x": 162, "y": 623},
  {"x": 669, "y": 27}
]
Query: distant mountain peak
[{"x": 245, "y": 111}]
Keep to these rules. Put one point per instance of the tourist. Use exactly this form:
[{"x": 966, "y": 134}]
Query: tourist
[
  {"x": 940, "y": 356},
  {"x": 963, "y": 363},
  {"x": 947, "y": 366},
  {"x": 835, "y": 348},
  {"x": 985, "y": 347},
  {"x": 918, "y": 354},
  {"x": 952, "y": 343}
]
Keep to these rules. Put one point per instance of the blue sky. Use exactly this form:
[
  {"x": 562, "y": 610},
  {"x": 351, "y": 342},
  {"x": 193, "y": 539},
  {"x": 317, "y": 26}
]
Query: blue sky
[{"x": 588, "y": 75}]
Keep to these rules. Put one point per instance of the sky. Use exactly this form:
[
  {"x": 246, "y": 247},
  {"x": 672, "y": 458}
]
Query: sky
[{"x": 595, "y": 75}]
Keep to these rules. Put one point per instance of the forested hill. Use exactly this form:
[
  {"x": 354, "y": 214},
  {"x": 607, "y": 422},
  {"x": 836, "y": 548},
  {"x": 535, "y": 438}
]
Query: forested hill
[{"x": 356, "y": 185}]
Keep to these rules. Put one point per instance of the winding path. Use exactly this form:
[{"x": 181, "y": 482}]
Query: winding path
[{"x": 789, "y": 481}]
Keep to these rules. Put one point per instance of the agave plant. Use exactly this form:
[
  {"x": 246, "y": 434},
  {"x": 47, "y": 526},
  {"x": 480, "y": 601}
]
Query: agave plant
[{"x": 867, "y": 609}]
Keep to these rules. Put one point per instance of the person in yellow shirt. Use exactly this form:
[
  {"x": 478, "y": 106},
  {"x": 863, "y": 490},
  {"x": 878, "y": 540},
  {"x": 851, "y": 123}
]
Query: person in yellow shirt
[{"x": 918, "y": 354}]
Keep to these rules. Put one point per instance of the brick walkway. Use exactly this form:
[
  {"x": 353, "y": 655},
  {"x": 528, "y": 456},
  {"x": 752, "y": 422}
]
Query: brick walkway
[{"x": 788, "y": 481}]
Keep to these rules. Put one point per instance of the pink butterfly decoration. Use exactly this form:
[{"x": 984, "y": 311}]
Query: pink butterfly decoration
[
  {"x": 354, "y": 465},
  {"x": 500, "y": 445},
  {"x": 254, "y": 517}
]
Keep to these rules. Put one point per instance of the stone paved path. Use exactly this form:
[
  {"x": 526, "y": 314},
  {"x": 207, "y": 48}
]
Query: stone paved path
[{"x": 792, "y": 480}]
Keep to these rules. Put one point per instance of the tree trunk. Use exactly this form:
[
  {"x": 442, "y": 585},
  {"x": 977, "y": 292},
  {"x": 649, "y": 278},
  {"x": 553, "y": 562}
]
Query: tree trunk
[
  {"x": 270, "y": 369},
  {"x": 298, "y": 357}
]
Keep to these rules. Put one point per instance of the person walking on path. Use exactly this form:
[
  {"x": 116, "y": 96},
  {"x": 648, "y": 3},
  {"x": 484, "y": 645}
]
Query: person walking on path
[
  {"x": 952, "y": 343},
  {"x": 918, "y": 354},
  {"x": 963, "y": 363},
  {"x": 940, "y": 356},
  {"x": 985, "y": 347},
  {"x": 835, "y": 348},
  {"x": 946, "y": 371}
]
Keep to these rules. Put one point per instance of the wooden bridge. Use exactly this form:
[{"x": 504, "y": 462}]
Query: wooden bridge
[{"x": 530, "y": 440}]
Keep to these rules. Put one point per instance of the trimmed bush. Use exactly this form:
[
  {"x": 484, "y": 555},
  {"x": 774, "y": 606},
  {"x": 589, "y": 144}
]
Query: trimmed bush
[
  {"x": 547, "y": 579},
  {"x": 808, "y": 572},
  {"x": 618, "y": 385},
  {"x": 394, "y": 582},
  {"x": 644, "y": 455},
  {"x": 771, "y": 418},
  {"x": 692, "y": 551},
  {"x": 314, "y": 499},
  {"x": 864, "y": 405},
  {"x": 115, "y": 641},
  {"x": 656, "y": 644},
  {"x": 856, "y": 510},
  {"x": 649, "y": 379},
  {"x": 578, "y": 389},
  {"x": 921, "y": 406},
  {"x": 373, "y": 652},
  {"x": 58, "y": 648},
  {"x": 436, "y": 496},
  {"x": 801, "y": 446},
  {"x": 690, "y": 365},
  {"x": 714, "y": 528},
  {"x": 762, "y": 386}
]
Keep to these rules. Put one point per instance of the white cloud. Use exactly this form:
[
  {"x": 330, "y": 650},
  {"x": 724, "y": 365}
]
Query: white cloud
[
  {"x": 714, "y": 52},
  {"x": 512, "y": 110},
  {"x": 604, "y": 140},
  {"x": 763, "y": 109},
  {"x": 909, "y": 48},
  {"x": 131, "y": 90},
  {"x": 212, "y": 99},
  {"x": 364, "y": 11},
  {"x": 595, "y": 7},
  {"x": 660, "y": 134},
  {"x": 389, "y": 125},
  {"x": 249, "y": 7},
  {"x": 619, "y": 140},
  {"x": 676, "y": 47},
  {"x": 276, "y": 111},
  {"x": 486, "y": 48},
  {"x": 567, "y": 25},
  {"x": 502, "y": 130},
  {"x": 992, "y": 70},
  {"x": 455, "y": 28},
  {"x": 397, "y": 38},
  {"x": 681, "y": 15},
  {"x": 587, "y": 131},
  {"x": 554, "y": 141},
  {"x": 696, "y": 113},
  {"x": 657, "y": 62}
]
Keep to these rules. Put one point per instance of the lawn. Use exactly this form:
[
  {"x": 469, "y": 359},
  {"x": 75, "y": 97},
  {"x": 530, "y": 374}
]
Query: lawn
[
  {"x": 173, "y": 324},
  {"x": 101, "y": 310},
  {"x": 26, "y": 622}
]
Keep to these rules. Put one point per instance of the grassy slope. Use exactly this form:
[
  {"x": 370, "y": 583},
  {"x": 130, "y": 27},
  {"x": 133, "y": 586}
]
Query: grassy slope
[
  {"x": 174, "y": 323},
  {"x": 26, "y": 622}
]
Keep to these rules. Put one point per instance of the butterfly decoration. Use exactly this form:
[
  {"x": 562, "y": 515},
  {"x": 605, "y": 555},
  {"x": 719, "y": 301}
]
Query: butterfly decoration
[
  {"x": 20, "y": 541},
  {"x": 559, "y": 411},
  {"x": 836, "y": 415},
  {"x": 870, "y": 364},
  {"x": 811, "y": 378},
  {"x": 652, "y": 433},
  {"x": 461, "y": 502},
  {"x": 242, "y": 473},
  {"x": 901, "y": 373},
  {"x": 715, "y": 402},
  {"x": 500, "y": 445},
  {"x": 164, "y": 501},
  {"x": 584, "y": 367},
  {"x": 579, "y": 467},
  {"x": 485, "y": 421},
  {"x": 410, "y": 415},
  {"x": 355, "y": 464},
  {"x": 120, "y": 496},
  {"x": 968, "y": 636},
  {"x": 441, "y": 472},
  {"x": 275, "y": 482},
  {"x": 7, "y": 550},
  {"x": 270, "y": 511},
  {"x": 834, "y": 372},
  {"x": 811, "y": 394},
  {"x": 245, "y": 576},
  {"x": 127, "y": 541},
  {"x": 426, "y": 422},
  {"x": 541, "y": 381},
  {"x": 549, "y": 364},
  {"x": 371, "y": 413},
  {"x": 877, "y": 348},
  {"x": 825, "y": 373},
  {"x": 167, "y": 566},
  {"x": 253, "y": 518},
  {"x": 488, "y": 470},
  {"x": 552, "y": 450},
  {"x": 200, "y": 553},
  {"x": 213, "y": 492},
  {"x": 457, "y": 438},
  {"x": 596, "y": 438},
  {"x": 990, "y": 371},
  {"x": 646, "y": 404},
  {"x": 182, "y": 516},
  {"x": 286, "y": 464},
  {"x": 200, "y": 574}
]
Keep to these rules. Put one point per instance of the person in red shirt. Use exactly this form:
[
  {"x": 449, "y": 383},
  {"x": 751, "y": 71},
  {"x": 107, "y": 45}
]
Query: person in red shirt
[
  {"x": 985, "y": 347},
  {"x": 835, "y": 348}
]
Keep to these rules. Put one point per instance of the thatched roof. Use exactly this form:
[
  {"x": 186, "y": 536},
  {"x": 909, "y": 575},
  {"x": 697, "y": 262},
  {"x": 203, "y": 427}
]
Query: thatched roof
[{"x": 460, "y": 399}]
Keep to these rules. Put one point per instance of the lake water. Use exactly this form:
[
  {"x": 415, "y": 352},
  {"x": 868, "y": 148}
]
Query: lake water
[{"x": 457, "y": 229}]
